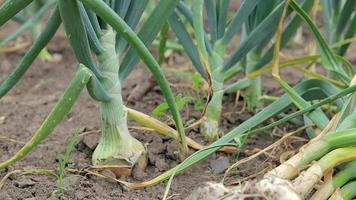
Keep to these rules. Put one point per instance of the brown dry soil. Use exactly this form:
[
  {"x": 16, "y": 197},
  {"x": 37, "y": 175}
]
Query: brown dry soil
[{"x": 24, "y": 108}]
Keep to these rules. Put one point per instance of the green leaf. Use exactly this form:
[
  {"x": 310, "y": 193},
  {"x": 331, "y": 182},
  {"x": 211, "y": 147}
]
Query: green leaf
[
  {"x": 76, "y": 34},
  {"x": 162, "y": 108},
  {"x": 210, "y": 7},
  {"x": 27, "y": 25},
  {"x": 10, "y": 8},
  {"x": 39, "y": 44},
  {"x": 198, "y": 25},
  {"x": 147, "y": 34},
  {"x": 187, "y": 13},
  {"x": 60, "y": 110},
  {"x": 223, "y": 10},
  {"x": 288, "y": 34},
  {"x": 186, "y": 40},
  {"x": 267, "y": 27},
  {"x": 132, "y": 18},
  {"x": 327, "y": 55},
  {"x": 121, "y": 7},
  {"x": 163, "y": 43},
  {"x": 197, "y": 82},
  {"x": 344, "y": 17},
  {"x": 317, "y": 116},
  {"x": 239, "y": 18},
  {"x": 239, "y": 85},
  {"x": 349, "y": 34},
  {"x": 92, "y": 34}
]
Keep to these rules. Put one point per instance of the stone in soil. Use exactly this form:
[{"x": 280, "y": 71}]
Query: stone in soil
[{"x": 219, "y": 165}]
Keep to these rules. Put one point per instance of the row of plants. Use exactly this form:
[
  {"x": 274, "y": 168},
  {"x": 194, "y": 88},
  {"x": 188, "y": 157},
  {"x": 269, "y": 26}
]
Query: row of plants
[{"x": 110, "y": 37}]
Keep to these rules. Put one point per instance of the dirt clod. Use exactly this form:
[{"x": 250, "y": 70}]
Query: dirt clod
[{"x": 24, "y": 183}]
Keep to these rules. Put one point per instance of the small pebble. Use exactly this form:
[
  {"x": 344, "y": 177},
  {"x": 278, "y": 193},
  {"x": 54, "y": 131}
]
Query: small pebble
[{"x": 219, "y": 165}]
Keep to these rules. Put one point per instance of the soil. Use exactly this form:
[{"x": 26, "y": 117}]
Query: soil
[{"x": 24, "y": 108}]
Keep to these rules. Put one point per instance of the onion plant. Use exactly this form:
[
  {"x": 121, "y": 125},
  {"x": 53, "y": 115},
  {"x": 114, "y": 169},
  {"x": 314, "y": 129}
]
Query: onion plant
[
  {"x": 329, "y": 149},
  {"x": 319, "y": 91},
  {"x": 256, "y": 21},
  {"x": 340, "y": 22},
  {"x": 101, "y": 34},
  {"x": 323, "y": 154}
]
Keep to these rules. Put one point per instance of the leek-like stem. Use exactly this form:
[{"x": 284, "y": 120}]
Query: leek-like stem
[
  {"x": 348, "y": 191},
  {"x": 338, "y": 180},
  {"x": 254, "y": 92},
  {"x": 313, "y": 151},
  {"x": 209, "y": 126},
  {"x": 304, "y": 184},
  {"x": 116, "y": 146}
]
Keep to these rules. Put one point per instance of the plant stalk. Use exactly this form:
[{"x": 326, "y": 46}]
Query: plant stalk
[
  {"x": 313, "y": 151},
  {"x": 116, "y": 146},
  {"x": 305, "y": 183},
  {"x": 209, "y": 126},
  {"x": 326, "y": 190}
]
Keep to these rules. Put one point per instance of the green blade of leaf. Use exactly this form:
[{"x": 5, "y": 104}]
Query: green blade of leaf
[
  {"x": 223, "y": 10},
  {"x": 317, "y": 116},
  {"x": 76, "y": 33},
  {"x": 147, "y": 34},
  {"x": 46, "y": 35},
  {"x": 349, "y": 34},
  {"x": 94, "y": 41},
  {"x": 345, "y": 16},
  {"x": 239, "y": 85},
  {"x": 187, "y": 42},
  {"x": 288, "y": 33},
  {"x": 27, "y": 25},
  {"x": 263, "y": 9},
  {"x": 239, "y": 18},
  {"x": 210, "y": 7},
  {"x": 60, "y": 110},
  {"x": 266, "y": 27},
  {"x": 121, "y": 7},
  {"x": 327, "y": 14},
  {"x": 132, "y": 17},
  {"x": 186, "y": 12},
  {"x": 198, "y": 25},
  {"x": 327, "y": 56},
  {"x": 94, "y": 21},
  {"x": 10, "y": 8}
]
